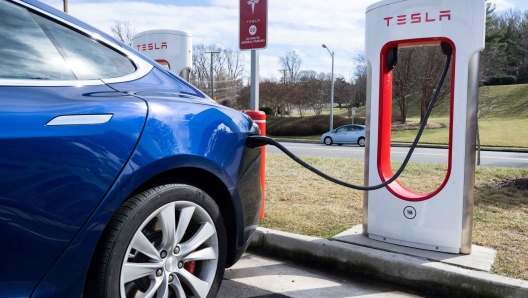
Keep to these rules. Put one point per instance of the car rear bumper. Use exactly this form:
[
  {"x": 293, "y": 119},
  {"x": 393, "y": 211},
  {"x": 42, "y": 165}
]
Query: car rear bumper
[{"x": 249, "y": 195}]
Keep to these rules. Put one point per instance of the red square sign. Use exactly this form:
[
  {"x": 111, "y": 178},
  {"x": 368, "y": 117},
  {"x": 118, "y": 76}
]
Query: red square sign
[{"x": 253, "y": 24}]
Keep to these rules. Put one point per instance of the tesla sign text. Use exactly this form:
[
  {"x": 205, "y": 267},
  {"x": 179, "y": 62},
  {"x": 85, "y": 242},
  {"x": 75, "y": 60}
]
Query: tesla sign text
[
  {"x": 253, "y": 24},
  {"x": 152, "y": 46},
  {"x": 416, "y": 18}
]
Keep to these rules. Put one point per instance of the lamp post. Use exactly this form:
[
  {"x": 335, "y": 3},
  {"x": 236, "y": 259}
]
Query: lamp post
[{"x": 332, "y": 91}]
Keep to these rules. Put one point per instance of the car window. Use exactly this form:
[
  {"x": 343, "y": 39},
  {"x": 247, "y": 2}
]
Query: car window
[
  {"x": 25, "y": 51},
  {"x": 341, "y": 129},
  {"x": 355, "y": 128},
  {"x": 88, "y": 59}
]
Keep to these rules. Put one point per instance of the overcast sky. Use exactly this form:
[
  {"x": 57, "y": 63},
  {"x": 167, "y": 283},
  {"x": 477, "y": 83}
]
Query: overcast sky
[{"x": 294, "y": 25}]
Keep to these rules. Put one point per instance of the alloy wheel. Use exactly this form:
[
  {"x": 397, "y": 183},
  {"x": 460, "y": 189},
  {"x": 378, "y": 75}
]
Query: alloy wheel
[{"x": 159, "y": 257}]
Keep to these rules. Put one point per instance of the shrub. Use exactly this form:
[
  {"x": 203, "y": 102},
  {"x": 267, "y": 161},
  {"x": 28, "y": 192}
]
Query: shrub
[
  {"x": 502, "y": 80},
  {"x": 267, "y": 110},
  {"x": 305, "y": 126}
]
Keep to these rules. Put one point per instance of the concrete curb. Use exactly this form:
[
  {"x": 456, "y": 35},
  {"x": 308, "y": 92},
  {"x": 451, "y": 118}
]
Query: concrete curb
[
  {"x": 432, "y": 146},
  {"x": 414, "y": 272}
]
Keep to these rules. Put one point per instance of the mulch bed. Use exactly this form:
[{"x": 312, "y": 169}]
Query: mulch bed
[
  {"x": 416, "y": 126},
  {"x": 520, "y": 183}
]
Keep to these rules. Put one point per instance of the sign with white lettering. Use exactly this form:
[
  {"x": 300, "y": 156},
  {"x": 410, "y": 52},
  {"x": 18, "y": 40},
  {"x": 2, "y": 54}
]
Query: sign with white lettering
[{"x": 253, "y": 30}]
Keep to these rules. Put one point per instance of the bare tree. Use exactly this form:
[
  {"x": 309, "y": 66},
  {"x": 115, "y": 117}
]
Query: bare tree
[
  {"x": 430, "y": 63},
  {"x": 235, "y": 63},
  {"x": 228, "y": 68},
  {"x": 492, "y": 61},
  {"x": 347, "y": 92},
  {"x": 341, "y": 91},
  {"x": 270, "y": 97},
  {"x": 124, "y": 31},
  {"x": 200, "y": 75},
  {"x": 291, "y": 61},
  {"x": 360, "y": 77},
  {"x": 303, "y": 93},
  {"x": 243, "y": 98},
  {"x": 219, "y": 60},
  {"x": 403, "y": 80},
  {"x": 317, "y": 94}
]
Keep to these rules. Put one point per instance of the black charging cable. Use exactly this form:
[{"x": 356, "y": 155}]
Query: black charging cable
[{"x": 258, "y": 141}]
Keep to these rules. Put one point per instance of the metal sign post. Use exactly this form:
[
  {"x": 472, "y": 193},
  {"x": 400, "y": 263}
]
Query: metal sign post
[
  {"x": 253, "y": 35},
  {"x": 254, "y": 83}
]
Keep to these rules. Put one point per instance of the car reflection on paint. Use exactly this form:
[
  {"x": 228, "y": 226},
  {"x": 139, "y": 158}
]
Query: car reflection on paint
[{"x": 347, "y": 134}]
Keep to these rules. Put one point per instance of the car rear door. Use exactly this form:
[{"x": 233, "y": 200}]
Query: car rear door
[
  {"x": 354, "y": 132},
  {"x": 64, "y": 138}
]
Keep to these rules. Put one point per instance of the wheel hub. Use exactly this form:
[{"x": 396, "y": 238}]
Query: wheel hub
[{"x": 171, "y": 264}]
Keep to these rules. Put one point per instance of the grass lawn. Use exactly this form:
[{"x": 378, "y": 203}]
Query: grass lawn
[
  {"x": 494, "y": 132},
  {"x": 300, "y": 202},
  {"x": 504, "y": 126}
]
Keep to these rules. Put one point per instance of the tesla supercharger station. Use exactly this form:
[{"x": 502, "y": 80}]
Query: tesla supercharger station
[
  {"x": 440, "y": 220},
  {"x": 170, "y": 48}
]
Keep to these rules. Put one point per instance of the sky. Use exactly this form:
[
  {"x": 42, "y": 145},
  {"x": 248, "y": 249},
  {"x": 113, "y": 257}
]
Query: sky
[{"x": 294, "y": 25}]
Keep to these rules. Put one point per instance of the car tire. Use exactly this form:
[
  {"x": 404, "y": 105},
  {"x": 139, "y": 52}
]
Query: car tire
[
  {"x": 328, "y": 141},
  {"x": 361, "y": 142},
  {"x": 167, "y": 239}
]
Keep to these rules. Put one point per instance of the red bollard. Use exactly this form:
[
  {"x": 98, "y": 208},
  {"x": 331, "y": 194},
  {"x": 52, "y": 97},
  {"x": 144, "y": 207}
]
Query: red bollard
[{"x": 260, "y": 119}]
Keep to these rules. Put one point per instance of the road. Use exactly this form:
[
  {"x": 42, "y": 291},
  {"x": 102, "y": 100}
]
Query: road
[
  {"x": 265, "y": 277},
  {"x": 421, "y": 155}
]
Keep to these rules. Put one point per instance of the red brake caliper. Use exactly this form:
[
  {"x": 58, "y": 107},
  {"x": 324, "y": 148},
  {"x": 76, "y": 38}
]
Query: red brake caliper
[{"x": 190, "y": 266}]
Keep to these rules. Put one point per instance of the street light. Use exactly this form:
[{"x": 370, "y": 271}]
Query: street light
[{"x": 332, "y": 92}]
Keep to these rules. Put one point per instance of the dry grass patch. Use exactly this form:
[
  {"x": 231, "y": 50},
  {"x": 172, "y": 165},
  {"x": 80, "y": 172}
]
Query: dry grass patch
[{"x": 298, "y": 201}]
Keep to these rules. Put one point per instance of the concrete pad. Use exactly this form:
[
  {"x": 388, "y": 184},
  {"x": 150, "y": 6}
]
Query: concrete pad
[
  {"x": 415, "y": 272},
  {"x": 480, "y": 259},
  {"x": 261, "y": 276}
]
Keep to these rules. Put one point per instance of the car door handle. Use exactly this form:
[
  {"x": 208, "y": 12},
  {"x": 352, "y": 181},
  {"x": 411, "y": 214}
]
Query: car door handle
[{"x": 80, "y": 119}]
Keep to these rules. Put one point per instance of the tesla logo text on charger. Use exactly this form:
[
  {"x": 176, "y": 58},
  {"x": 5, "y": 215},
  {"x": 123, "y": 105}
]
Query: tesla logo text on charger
[
  {"x": 416, "y": 18},
  {"x": 151, "y": 46}
]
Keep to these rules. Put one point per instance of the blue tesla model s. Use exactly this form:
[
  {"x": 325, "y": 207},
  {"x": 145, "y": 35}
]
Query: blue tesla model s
[{"x": 118, "y": 179}]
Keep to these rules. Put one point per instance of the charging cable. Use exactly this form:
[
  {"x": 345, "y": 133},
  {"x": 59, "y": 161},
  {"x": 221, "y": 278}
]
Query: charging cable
[{"x": 258, "y": 141}]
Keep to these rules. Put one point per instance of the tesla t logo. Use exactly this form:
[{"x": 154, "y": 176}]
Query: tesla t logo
[
  {"x": 252, "y": 3},
  {"x": 416, "y": 18},
  {"x": 152, "y": 46}
]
